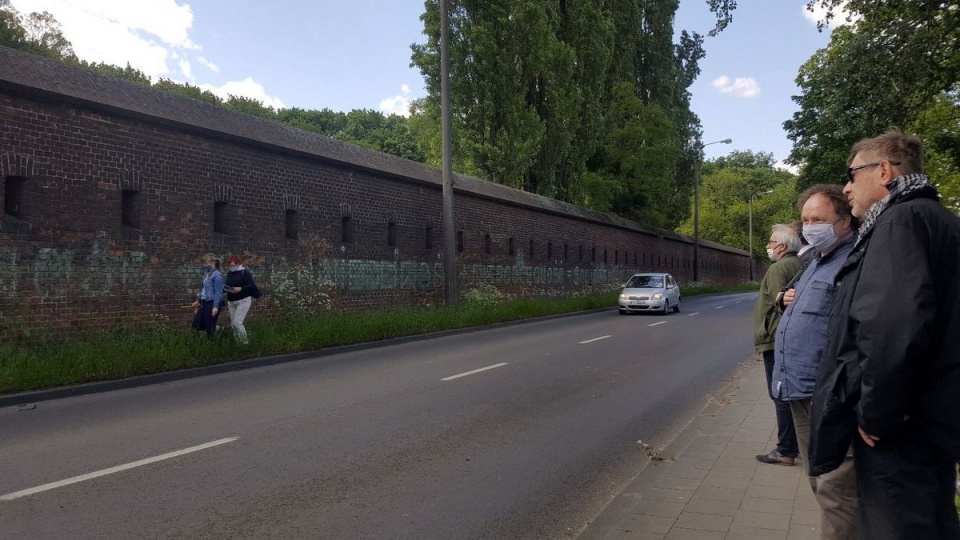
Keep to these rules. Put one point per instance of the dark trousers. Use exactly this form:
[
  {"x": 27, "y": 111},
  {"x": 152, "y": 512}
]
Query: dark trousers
[
  {"x": 205, "y": 320},
  {"x": 905, "y": 486},
  {"x": 787, "y": 444}
]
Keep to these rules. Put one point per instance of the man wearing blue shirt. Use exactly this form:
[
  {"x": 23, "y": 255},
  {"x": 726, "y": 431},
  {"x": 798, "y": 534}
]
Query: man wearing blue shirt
[{"x": 801, "y": 336}]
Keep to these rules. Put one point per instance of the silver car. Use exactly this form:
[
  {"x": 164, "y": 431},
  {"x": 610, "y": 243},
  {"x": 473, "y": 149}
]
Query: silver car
[{"x": 649, "y": 292}]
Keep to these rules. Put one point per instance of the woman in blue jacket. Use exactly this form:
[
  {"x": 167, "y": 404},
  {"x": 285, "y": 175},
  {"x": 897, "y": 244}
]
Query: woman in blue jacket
[{"x": 207, "y": 306}]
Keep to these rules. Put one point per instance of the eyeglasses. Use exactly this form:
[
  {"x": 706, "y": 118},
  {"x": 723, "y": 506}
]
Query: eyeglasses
[{"x": 851, "y": 170}]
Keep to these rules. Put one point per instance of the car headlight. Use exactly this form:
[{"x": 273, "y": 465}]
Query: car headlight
[
  {"x": 657, "y": 296},
  {"x": 623, "y": 296}
]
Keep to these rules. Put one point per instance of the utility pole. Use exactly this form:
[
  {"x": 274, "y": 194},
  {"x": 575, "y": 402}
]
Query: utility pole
[{"x": 451, "y": 294}]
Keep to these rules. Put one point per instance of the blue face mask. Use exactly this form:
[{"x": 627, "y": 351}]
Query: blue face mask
[
  {"x": 208, "y": 268},
  {"x": 820, "y": 235}
]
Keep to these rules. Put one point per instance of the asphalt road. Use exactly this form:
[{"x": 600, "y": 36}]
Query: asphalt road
[{"x": 401, "y": 441}]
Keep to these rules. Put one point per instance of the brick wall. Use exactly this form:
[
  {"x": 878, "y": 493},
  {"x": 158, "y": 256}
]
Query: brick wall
[{"x": 112, "y": 192}]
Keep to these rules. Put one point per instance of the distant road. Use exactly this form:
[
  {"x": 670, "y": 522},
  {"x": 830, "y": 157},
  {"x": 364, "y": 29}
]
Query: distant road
[{"x": 525, "y": 431}]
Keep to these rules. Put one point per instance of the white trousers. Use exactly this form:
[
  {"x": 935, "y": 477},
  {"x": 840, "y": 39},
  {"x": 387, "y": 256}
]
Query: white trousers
[{"x": 238, "y": 312}]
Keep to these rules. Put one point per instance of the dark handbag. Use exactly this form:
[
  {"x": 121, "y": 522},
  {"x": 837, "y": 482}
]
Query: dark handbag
[
  {"x": 255, "y": 291},
  {"x": 198, "y": 320}
]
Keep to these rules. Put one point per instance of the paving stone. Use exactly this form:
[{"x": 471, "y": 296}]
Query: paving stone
[
  {"x": 772, "y": 506},
  {"x": 652, "y": 507},
  {"x": 786, "y": 482},
  {"x": 703, "y": 522},
  {"x": 719, "y": 494},
  {"x": 803, "y": 533},
  {"x": 762, "y": 520},
  {"x": 728, "y": 482},
  {"x": 673, "y": 482},
  {"x": 767, "y": 492},
  {"x": 664, "y": 494},
  {"x": 645, "y": 523},
  {"x": 733, "y": 472},
  {"x": 693, "y": 534},
  {"x": 710, "y": 506},
  {"x": 806, "y": 517},
  {"x": 751, "y": 533},
  {"x": 687, "y": 472}
]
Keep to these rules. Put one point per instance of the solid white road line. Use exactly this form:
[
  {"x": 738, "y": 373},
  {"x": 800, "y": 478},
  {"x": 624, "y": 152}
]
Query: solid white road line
[
  {"x": 495, "y": 366},
  {"x": 111, "y": 470},
  {"x": 592, "y": 340},
  {"x": 657, "y": 323}
]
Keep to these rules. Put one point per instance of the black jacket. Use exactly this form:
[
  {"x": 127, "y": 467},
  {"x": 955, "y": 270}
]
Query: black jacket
[
  {"x": 244, "y": 280},
  {"x": 893, "y": 347}
]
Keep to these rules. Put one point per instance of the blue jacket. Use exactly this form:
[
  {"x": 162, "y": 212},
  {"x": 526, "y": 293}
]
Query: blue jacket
[
  {"x": 211, "y": 287},
  {"x": 802, "y": 331}
]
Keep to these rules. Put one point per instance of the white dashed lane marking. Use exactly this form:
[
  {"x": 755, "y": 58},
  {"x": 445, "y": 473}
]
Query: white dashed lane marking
[
  {"x": 657, "y": 323},
  {"x": 592, "y": 340},
  {"x": 452, "y": 377},
  {"x": 111, "y": 470}
]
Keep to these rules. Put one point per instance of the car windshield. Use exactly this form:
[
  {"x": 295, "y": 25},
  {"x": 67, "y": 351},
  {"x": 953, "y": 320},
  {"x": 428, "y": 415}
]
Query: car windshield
[{"x": 648, "y": 282}]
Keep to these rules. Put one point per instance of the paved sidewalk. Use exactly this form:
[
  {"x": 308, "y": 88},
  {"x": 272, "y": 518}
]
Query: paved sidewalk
[{"x": 709, "y": 484}]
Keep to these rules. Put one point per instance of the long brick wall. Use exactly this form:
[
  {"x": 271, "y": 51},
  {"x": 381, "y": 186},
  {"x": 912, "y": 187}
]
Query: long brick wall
[{"x": 112, "y": 192}]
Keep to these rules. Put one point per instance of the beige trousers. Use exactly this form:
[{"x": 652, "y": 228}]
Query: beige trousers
[{"x": 836, "y": 491}]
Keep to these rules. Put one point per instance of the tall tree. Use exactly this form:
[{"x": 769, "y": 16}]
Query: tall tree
[
  {"x": 36, "y": 33},
  {"x": 727, "y": 185},
  {"x": 532, "y": 93},
  {"x": 883, "y": 70}
]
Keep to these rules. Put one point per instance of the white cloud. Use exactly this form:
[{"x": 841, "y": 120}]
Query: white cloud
[
  {"x": 147, "y": 34},
  {"x": 784, "y": 166},
  {"x": 210, "y": 65},
  {"x": 186, "y": 69},
  {"x": 744, "y": 87},
  {"x": 819, "y": 13},
  {"x": 143, "y": 33},
  {"x": 397, "y": 104},
  {"x": 246, "y": 88}
]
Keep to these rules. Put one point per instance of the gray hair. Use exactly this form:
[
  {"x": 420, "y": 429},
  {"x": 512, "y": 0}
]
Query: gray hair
[{"x": 787, "y": 236}]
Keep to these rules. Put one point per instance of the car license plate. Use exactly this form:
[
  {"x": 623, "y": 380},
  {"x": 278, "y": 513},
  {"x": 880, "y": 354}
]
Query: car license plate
[{"x": 637, "y": 303}]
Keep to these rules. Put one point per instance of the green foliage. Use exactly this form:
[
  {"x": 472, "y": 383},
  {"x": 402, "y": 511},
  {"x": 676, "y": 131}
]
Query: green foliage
[
  {"x": 726, "y": 187},
  {"x": 556, "y": 98},
  {"x": 188, "y": 90},
  {"x": 896, "y": 61},
  {"x": 483, "y": 295},
  {"x": 36, "y": 33},
  {"x": 251, "y": 106},
  {"x": 122, "y": 353},
  {"x": 637, "y": 161}
]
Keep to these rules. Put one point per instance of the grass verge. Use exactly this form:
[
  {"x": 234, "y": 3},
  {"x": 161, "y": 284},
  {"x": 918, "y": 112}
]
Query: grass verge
[{"x": 123, "y": 353}]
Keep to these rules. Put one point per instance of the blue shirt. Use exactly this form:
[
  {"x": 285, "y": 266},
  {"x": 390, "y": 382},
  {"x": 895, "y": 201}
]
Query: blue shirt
[
  {"x": 212, "y": 287},
  {"x": 802, "y": 332}
]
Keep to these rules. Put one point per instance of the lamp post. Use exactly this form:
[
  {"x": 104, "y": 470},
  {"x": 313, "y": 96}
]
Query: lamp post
[
  {"x": 750, "y": 233},
  {"x": 696, "y": 207}
]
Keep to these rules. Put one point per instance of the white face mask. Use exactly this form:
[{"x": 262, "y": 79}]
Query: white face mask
[
  {"x": 773, "y": 255},
  {"x": 820, "y": 235}
]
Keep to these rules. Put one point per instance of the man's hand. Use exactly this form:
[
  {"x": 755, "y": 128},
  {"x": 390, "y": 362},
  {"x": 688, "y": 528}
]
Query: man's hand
[
  {"x": 788, "y": 296},
  {"x": 871, "y": 440}
]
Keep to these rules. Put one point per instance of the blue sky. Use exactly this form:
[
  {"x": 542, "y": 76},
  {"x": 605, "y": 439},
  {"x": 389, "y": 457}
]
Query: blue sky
[{"x": 346, "y": 55}]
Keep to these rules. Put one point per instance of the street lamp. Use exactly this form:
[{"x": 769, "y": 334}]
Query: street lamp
[
  {"x": 696, "y": 207},
  {"x": 750, "y": 234}
]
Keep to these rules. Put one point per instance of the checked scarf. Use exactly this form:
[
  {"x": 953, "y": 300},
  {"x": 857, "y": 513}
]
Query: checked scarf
[{"x": 899, "y": 187}]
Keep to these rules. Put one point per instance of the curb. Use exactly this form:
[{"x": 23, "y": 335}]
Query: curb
[{"x": 59, "y": 392}]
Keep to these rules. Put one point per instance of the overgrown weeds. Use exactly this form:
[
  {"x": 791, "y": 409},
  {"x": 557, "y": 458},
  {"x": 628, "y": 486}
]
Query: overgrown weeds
[{"x": 123, "y": 353}]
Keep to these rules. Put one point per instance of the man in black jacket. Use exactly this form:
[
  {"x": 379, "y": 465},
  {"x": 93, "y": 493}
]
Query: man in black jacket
[{"x": 889, "y": 379}]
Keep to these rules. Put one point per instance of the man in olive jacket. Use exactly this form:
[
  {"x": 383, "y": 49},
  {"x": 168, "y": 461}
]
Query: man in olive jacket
[
  {"x": 889, "y": 379},
  {"x": 782, "y": 250}
]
